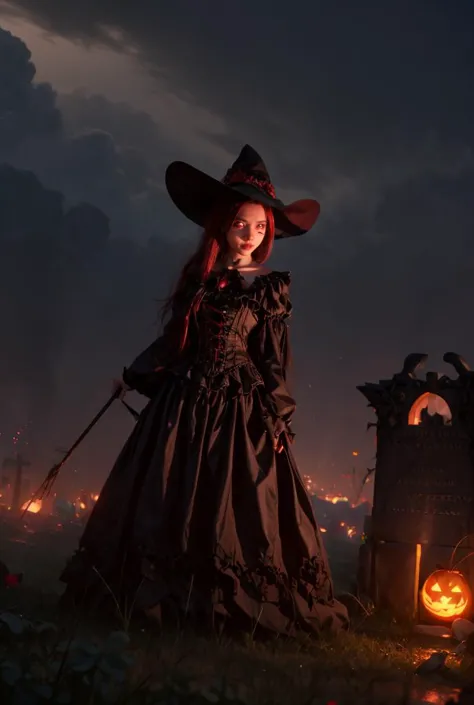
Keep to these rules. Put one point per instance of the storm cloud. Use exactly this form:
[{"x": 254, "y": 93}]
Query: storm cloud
[
  {"x": 67, "y": 291},
  {"x": 369, "y": 108},
  {"x": 41, "y": 257},
  {"x": 346, "y": 98},
  {"x": 84, "y": 161}
]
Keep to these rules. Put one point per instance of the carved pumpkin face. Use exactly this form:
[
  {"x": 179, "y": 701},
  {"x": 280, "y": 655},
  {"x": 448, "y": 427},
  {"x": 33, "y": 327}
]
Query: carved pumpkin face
[{"x": 446, "y": 594}]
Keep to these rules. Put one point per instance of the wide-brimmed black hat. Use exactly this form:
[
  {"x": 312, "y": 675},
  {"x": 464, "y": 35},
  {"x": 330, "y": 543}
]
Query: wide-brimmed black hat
[{"x": 196, "y": 194}]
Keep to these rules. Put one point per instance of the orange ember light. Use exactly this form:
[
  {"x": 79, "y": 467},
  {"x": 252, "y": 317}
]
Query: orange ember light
[
  {"x": 334, "y": 498},
  {"x": 33, "y": 508}
]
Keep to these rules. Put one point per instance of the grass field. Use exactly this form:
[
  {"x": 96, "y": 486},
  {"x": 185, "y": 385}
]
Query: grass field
[{"x": 374, "y": 663}]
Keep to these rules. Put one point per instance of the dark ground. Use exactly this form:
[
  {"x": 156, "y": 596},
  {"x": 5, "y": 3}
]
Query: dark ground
[{"x": 373, "y": 664}]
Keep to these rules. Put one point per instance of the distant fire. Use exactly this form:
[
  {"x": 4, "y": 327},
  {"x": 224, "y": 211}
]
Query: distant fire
[
  {"x": 32, "y": 507},
  {"x": 334, "y": 498},
  {"x": 84, "y": 502},
  {"x": 65, "y": 509},
  {"x": 349, "y": 530}
]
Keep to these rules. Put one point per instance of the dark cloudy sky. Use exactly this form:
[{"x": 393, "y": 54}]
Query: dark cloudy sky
[{"x": 367, "y": 106}]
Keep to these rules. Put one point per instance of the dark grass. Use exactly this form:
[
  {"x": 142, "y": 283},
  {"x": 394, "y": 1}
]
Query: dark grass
[{"x": 372, "y": 664}]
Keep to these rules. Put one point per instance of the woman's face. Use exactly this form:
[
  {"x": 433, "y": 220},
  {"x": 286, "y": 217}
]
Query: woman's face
[{"x": 247, "y": 231}]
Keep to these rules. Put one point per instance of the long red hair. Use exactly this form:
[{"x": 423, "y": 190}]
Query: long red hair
[{"x": 212, "y": 248}]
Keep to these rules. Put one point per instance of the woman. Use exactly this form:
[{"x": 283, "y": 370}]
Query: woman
[{"x": 204, "y": 509}]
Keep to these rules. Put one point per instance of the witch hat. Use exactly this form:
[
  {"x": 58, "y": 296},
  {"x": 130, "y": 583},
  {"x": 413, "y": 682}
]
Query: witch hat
[{"x": 196, "y": 193}]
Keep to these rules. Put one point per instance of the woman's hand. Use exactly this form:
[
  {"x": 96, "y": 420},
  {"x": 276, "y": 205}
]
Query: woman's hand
[
  {"x": 278, "y": 443},
  {"x": 120, "y": 388},
  {"x": 280, "y": 432}
]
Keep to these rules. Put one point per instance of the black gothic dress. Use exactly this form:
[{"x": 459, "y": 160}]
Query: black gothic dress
[{"x": 199, "y": 511}]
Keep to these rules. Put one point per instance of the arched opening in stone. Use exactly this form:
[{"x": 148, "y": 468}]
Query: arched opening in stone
[{"x": 427, "y": 408}]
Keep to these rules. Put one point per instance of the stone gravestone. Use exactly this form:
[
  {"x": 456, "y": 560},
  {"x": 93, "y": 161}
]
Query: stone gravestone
[{"x": 423, "y": 510}]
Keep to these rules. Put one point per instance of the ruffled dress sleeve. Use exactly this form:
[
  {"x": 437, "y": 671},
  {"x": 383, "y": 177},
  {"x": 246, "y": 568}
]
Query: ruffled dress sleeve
[
  {"x": 144, "y": 373},
  {"x": 271, "y": 350}
]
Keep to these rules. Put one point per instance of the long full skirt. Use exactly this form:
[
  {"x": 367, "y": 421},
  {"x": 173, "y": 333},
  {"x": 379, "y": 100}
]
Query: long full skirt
[{"x": 199, "y": 512}]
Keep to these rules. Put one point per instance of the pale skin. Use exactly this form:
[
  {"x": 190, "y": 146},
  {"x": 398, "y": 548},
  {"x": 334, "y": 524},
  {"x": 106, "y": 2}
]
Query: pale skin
[{"x": 245, "y": 235}]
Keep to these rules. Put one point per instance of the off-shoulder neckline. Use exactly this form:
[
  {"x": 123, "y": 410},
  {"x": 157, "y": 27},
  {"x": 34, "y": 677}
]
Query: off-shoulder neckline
[
  {"x": 274, "y": 273},
  {"x": 259, "y": 282}
]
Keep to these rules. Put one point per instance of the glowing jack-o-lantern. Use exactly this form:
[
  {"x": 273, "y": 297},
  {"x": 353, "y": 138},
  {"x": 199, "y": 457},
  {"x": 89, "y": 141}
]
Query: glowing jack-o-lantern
[{"x": 446, "y": 594}]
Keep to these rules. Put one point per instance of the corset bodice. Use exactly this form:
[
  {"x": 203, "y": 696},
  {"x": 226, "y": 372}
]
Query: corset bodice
[
  {"x": 223, "y": 332},
  {"x": 235, "y": 336}
]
